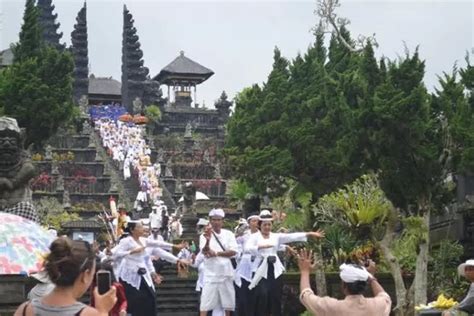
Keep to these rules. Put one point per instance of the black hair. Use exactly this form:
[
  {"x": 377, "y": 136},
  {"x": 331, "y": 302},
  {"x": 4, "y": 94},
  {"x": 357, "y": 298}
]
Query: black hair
[
  {"x": 107, "y": 266},
  {"x": 355, "y": 288}
]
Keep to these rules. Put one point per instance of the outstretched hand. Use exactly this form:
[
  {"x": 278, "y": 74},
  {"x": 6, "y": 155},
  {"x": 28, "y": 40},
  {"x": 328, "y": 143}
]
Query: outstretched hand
[
  {"x": 317, "y": 234},
  {"x": 306, "y": 260}
]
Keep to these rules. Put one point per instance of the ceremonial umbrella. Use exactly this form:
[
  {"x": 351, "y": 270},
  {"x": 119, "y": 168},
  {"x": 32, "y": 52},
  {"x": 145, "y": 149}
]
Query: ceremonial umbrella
[
  {"x": 23, "y": 245},
  {"x": 199, "y": 196}
]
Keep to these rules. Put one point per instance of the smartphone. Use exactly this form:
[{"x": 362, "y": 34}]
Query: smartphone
[{"x": 103, "y": 281}]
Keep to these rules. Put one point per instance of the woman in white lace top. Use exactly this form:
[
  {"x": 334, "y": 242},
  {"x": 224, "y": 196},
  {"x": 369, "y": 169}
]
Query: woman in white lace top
[
  {"x": 267, "y": 282},
  {"x": 136, "y": 271}
]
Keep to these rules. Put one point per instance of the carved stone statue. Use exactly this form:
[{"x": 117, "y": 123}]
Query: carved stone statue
[
  {"x": 217, "y": 171},
  {"x": 160, "y": 157},
  {"x": 66, "y": 199},
  {"x": 91, "y": 140},
  {"x": 137, "y": 105},
  {"x": 16, "y": 170},
  {"x": 83, "y": 103},
  {"x": 60, "y": 183},
  {"x": 188, "y": 133},
  {"x": 189, "y": 197},
  {"x": 48, "y": 153},
  {"x": 86, "y": 128},
  {"x": 206, "y": 157},
  {"x": 54, "y": 167},
  {"x": 113, "y": 187}
]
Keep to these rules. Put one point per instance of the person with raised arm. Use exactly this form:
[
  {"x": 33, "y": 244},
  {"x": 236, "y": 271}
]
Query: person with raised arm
[
  {"x": 266, "y": 281},
  {"x": 355, "y": 279}
]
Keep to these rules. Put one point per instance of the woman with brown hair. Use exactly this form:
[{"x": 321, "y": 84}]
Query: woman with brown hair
[{"x": 70, "y": 265}]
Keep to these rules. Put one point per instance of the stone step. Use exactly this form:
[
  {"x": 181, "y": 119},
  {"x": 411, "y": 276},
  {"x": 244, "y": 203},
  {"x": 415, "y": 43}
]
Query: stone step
[
  {"x": 179, "y": 313},
  {"x": 177, "y": 291},
  {"x": 188, "y": 307},
  {"x": 177, "y": 299}
]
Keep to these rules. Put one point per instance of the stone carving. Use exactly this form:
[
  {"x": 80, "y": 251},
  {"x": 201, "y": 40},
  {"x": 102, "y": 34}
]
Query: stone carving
[
  {"x": 206, "y": 157},
  {"x": 113, "y": 187},
  {"x": 98, "y": 156},
  {"x": 60, "y": 183},
  {"x": 91, "y": 140},
  {"x": 188, "y": 133},
  {"x": 217, "y": 171},
  {"x": 86, "y": 128},
  {"x": 48, "y": 153},
  {"x": 16, "y": 170},
  {"x": 106, "y": 171},
  {"x": 137, "y": 105},
  {"x": 160, "y": 157},
  {"x": 189, "y": 197},
  {"x": 66, "y": 200},
  {"x": 54, "y": 167},
  {"x": 83, "y": 103},
  {"x": 81, "y": 60}
]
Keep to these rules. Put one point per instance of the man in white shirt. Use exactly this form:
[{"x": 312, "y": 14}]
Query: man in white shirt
[
  {"x": 218, "y": 245},
  {"x": 155, "y": 218}
]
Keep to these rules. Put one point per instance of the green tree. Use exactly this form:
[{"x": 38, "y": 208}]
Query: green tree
[
  {"x": 30, "y": 42},
  {"x": 37, "y": 88}
]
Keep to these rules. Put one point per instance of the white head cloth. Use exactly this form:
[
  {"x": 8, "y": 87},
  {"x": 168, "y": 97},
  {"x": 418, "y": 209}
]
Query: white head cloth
[
  {"x": 265, "y": 216},
  {"x": 252, "y": 217},
  {"x": 217, "y": 212},
  {"x": 202, "y": 222},
  {"x": 350, "y": 273},
  {"x": 462, "y": 267}
]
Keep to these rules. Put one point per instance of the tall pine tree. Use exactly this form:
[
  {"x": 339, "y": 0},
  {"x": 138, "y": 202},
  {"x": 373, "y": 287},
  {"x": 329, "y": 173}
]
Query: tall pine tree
[{"x": 37, "y": 88}]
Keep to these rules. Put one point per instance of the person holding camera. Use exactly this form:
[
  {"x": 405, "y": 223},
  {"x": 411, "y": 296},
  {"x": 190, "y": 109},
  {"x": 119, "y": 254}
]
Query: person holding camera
[
  {"x": 267, "y": 282},
  {"x": 70, "y": 266},
  {"x": 355, "y": 279}
]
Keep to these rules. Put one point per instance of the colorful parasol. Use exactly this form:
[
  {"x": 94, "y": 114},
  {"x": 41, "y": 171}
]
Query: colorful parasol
[{"x": 23, "y": 245}]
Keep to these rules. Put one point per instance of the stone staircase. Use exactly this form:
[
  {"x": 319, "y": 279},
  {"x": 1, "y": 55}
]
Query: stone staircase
[{"x": 177, "y": 296}]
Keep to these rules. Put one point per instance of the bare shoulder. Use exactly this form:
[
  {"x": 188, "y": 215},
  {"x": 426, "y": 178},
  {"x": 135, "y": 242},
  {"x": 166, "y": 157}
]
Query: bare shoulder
[
  {"x": 19, "y": 310},
  {"x": 89, "y": 311}
]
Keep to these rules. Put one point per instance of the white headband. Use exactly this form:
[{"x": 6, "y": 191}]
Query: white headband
[
  {"x": 217, "y": 212},
  {"x": 350, "y": 273},
  {"x": 266, "y": 216}
]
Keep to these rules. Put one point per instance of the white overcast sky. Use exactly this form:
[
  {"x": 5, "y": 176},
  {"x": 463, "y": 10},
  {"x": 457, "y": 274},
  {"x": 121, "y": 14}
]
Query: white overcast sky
[{"x": 236, "y": 38}]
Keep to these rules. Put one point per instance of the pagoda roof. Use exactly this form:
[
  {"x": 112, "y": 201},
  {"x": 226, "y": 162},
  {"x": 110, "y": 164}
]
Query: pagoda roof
[
  {"x": 6, "y": 57},
  {"x": 104, "y": 86},
  {"x": 183, "y": 69}
]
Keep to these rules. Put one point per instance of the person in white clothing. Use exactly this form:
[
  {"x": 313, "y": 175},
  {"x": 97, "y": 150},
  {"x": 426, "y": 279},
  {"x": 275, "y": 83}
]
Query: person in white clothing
[
  {"x": 155, "y": 218},
  {"x": 136, "y": 272},
  {"x": 245, "y": 269},
  {"x": 218, "y": 246},
  {"x": 264, "y": 245}
]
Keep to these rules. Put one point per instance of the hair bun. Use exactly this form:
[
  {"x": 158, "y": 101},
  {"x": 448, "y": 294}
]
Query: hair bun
[{"x": 61, "y": 247}]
